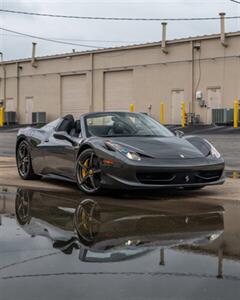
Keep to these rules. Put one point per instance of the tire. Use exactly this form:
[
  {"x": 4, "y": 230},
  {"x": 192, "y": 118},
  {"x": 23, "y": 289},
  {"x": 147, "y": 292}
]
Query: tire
[
  {"x": 88, "y": 172},
  {"x": 24, "y": 162}
]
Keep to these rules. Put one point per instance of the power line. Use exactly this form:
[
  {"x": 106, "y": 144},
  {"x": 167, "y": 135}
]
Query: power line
[
  {"x": 235, "y": 1},
  {"x": 48, "y": 40},
  {"x": 113, "y": 18},
  {"x": 80, "y": 40}
]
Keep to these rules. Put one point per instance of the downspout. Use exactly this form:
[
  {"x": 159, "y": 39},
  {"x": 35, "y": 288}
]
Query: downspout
[
  {"x": 192, "y": 78},
  {"x": 222, "y": 25},
  {"x": 34, "y": 64},
  {"x": 4, "y": 86},
  {"x": 164, "y": 37},
  {"x": 91, "y": 81},
  {"x": 18, "y": 93}
]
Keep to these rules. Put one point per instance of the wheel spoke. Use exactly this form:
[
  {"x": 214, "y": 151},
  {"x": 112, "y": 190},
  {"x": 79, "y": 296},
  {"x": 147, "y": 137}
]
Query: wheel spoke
[
  {"x": 25, "y": 168},
  {"x": 92, "y": 182},
  {"x": 91, "y": 161},
  {"x": 84, "y": 179},
  {"x": 84, "y": 211},
  {"x": 83, "y": 167},
  {"x": 22, "y": 167},
  {"x": 24, "y": 151},
  {"x": 20, "y": 206},
  {"x": 20, "y": 154}
]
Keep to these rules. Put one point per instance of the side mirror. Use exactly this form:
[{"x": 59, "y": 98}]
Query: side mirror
[
  {"x": 62, "y": 135},
  {"x": 179, "y": 133}
]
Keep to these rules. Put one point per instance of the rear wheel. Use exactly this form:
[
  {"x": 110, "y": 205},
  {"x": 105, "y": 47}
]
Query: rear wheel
[
  {"x": 88, "y": 172},
  {"x": 24, "y": 162}
]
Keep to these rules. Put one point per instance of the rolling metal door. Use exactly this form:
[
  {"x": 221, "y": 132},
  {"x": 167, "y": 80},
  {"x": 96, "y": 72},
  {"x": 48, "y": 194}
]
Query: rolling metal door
[
  {"x": 118, "y": 90},
  {"x": 75, "y": 100}
]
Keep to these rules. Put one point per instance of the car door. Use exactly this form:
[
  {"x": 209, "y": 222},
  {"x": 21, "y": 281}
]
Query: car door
[{"x": 60, "y": 156}]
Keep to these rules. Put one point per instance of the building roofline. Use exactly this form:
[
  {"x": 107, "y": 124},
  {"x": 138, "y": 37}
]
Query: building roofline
[{"x": 123, "y": 48}]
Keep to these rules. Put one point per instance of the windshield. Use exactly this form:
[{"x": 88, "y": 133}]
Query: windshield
[{"x": 124, "y": 124}]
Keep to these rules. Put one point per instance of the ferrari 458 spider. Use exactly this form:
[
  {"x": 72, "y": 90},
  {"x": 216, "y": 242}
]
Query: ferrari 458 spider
[{"x": 117, "y": 150}]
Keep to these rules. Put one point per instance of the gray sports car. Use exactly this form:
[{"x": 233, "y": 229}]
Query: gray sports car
[{"x": 117, "y": 150}]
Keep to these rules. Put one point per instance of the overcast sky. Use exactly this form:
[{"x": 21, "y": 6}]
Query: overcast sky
[{"x": 95, "y": 32}]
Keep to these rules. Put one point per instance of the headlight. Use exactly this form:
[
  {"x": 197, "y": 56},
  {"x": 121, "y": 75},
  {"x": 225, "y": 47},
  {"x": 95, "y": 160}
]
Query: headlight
[
  {"x": 133, "y": 156},
  {"x": 130, "y": 154},
  {"x": 213, "y": 150}
]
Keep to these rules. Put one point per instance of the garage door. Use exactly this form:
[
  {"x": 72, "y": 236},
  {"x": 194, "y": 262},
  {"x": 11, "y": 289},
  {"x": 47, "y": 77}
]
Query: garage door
[
  {"x": 118, "y": 87},
  {"x": 75, "y": 98}
]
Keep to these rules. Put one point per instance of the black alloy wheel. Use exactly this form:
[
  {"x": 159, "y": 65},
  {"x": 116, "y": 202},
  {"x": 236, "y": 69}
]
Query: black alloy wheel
[
  {"x": 24, "y": 162},
  {"x": 88, "y": 172}
]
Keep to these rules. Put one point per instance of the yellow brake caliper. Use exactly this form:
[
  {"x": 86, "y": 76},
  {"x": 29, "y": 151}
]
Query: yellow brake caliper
[{"x": 84, "y": 172}]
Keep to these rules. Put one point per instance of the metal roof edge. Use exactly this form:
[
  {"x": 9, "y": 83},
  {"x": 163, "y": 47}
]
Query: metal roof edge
[{"x": 122, "y": 48}]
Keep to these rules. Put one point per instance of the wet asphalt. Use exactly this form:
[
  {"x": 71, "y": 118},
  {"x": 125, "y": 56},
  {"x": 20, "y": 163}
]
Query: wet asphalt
[{"x": 70, "y": 246}]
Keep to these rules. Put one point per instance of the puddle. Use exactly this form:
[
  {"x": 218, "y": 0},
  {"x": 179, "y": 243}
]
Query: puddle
[{"x": 58, "y": 246}]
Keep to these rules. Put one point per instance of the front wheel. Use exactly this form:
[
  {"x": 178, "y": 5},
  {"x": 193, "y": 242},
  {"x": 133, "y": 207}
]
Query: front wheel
[{"x": 88, "y": 172}]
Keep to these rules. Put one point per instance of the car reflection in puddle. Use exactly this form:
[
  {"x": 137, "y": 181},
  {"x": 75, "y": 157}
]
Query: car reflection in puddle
[
  {"x": 59, "y": 235},
  {"x": 105, "y": 233}
]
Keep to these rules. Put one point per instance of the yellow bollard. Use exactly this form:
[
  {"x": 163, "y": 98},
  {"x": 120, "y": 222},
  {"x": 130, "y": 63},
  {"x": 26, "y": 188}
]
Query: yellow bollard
[
  {"x": 235, "y": 175},
  {"x": 131, "y": 108},
  {"x": 183, "y": 114},
  {"x": 162, "y": 113},
  {"x": 1, "y": 116},
  {"x": 235, "y": 114}
]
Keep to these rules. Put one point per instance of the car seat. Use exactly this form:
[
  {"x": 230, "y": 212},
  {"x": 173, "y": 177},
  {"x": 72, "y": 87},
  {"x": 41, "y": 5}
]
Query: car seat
[{"x": 67, "y": 124}]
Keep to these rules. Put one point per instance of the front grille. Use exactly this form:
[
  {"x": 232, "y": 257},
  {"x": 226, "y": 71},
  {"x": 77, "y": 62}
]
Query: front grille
[{"x": 166, "y": 178}]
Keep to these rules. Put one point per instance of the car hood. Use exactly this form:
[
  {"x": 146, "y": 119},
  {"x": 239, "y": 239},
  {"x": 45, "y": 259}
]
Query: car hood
[{"x": 161, "y": 147}]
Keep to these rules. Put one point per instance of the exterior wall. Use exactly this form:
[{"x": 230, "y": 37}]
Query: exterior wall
[{"x": 155, "y": 76}]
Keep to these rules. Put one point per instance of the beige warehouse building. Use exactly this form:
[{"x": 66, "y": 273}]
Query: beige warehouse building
[{"x": 203, "y": 71}]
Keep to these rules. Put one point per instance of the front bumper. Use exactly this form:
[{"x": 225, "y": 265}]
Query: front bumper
[
  {"x": 157, "y": 174},
  {"x": 113, "y": 182}
]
